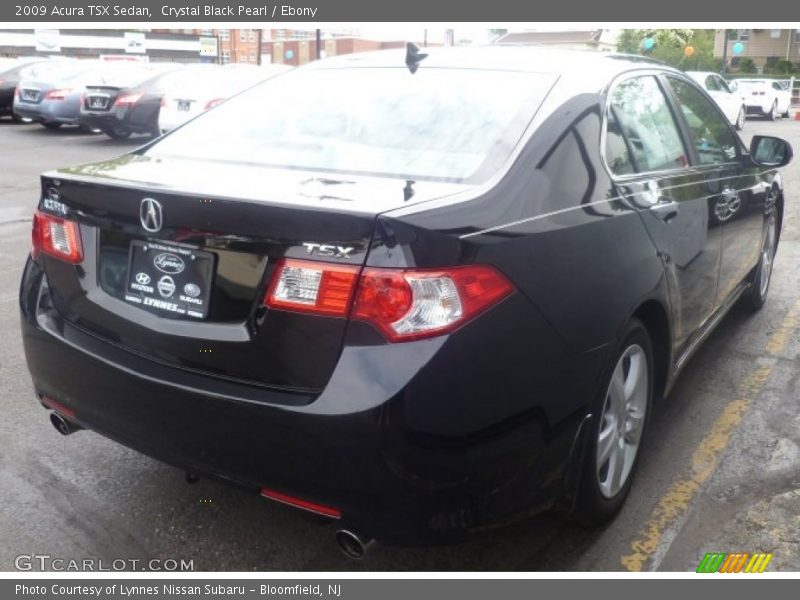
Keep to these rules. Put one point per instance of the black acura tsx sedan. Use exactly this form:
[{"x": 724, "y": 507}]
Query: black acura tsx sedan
[{"x": 422, "y": 294}]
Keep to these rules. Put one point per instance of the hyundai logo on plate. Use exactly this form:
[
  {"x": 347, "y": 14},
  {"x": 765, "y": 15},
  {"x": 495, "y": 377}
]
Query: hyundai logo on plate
[
  {"x": 142, "y": 278},
  {"x": 166, "y": 286},
  {"x": 151, "y": 214},
  {"x": 169, "y": 263}
]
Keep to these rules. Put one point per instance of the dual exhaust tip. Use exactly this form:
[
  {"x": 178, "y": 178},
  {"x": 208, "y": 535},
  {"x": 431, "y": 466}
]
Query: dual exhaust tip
[
  {"x": 352, "y": 544},
  {"x": 62, "y": 425}
]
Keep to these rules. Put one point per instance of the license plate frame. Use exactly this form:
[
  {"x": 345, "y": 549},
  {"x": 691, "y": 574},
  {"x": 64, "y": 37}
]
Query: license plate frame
[{"x": 169, "y": 280}]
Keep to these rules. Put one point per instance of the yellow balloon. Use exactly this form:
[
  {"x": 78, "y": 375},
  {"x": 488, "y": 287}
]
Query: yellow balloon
[{"x": 688, "y": 51}]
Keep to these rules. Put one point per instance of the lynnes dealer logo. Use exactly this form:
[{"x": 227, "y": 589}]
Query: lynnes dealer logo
[
  {"x": 169, "y": 263},
  {"x": 737, "y": 562}
]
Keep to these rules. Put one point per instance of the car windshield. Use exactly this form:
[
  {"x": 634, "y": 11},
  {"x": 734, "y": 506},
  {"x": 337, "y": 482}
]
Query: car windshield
[
  {"x": 219, "y": 80},
  {"x": 449, "y": 124}
]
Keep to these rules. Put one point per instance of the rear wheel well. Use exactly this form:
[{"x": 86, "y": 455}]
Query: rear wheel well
[{"x": 654, "y": 317}]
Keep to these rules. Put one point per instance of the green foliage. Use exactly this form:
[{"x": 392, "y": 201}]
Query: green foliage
[
  {"x": 670, "y": 45},
  {"x": 783, "y": 67},
  {"x": 746, "y": 65}
]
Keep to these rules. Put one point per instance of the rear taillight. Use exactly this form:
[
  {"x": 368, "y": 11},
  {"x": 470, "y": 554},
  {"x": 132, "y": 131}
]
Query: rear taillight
[
  {"x": 313, "y": 287},
  {"x": 212, "y": 103},
  {"x": 57, "y": 94},
  {"x": 16, "y": 92},
  {"x": 402, "y": 304},
  {"x": 127, "y": 99},
  {"x": 56, "y": 237}
]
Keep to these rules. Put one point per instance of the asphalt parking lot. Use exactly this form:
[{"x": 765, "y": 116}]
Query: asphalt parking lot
[{"x": 720, "y": 471}]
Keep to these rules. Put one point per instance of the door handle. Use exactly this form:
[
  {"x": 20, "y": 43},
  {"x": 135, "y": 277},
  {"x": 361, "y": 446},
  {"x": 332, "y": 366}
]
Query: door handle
[{"x": 666, "y": 210}]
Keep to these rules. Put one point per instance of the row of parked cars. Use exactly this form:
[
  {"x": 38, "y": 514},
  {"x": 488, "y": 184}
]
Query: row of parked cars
[
  {"x": 742, "y": 97},
  {"x": 119, "y": 98}
]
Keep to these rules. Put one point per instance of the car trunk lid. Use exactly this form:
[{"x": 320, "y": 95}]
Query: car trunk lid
[{"x": 222, "y": 232}]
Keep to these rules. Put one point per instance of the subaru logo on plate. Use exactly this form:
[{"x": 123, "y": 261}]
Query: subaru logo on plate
[
  {"x": 151, "y": 214},
  {"x": 190, "y": 289},
  {"x": 169, "y": 263},
  {"x": 166, "y": 286},
  {"x": 142, "y": 278}
]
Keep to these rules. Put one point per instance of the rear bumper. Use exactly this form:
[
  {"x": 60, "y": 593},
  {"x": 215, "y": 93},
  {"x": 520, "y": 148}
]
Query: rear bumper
[
  {"x": 111, "y": 119},
  {"x": 47, "y": 112},
  {"x": 352, "y": 447}
]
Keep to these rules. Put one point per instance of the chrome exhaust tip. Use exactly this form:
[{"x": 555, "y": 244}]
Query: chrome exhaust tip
[
  {"x": 352, "y": 544},
  {"x": 63, "y": 426}
]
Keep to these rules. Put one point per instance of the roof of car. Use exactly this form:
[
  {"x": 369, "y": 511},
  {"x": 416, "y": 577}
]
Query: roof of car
[{"x": 533, "y": 59}]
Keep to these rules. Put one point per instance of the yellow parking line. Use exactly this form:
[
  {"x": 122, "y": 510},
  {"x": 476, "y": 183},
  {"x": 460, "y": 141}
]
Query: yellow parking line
[{"x": 674, "y": 503}]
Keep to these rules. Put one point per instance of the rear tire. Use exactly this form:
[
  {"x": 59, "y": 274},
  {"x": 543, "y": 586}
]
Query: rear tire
[
  {"x": 756, "y": 296},
  {"x": 787, "y": 114},
  {"x": 618, "y": 425}
]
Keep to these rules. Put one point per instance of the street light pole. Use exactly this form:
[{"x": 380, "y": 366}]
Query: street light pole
[
  {"x": 319, "y": 43},
  {"x": 724, "y": 51}
]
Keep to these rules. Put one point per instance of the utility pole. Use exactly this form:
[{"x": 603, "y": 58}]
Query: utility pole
[
  {"x": 724, "y": 51},
  {"x": 319, "y": 44}
]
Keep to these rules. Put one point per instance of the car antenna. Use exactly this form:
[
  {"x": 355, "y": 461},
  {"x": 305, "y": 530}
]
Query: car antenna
[{"x": 414, "y": 57}]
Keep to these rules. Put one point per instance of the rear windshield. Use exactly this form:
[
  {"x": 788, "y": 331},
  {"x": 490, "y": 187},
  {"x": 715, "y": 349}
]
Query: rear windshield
[
  {"x": 443, "y": 124},
  {"x": 56, "y": 70}
]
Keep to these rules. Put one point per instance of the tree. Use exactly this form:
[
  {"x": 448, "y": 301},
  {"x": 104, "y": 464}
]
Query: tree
[{"x": 670, "y": 44}]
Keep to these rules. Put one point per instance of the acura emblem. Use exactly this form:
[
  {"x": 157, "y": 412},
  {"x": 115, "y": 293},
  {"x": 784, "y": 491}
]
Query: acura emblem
[{"x": 151, "y": 215}]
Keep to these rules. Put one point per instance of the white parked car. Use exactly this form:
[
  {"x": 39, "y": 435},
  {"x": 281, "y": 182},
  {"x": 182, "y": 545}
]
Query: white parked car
[
  {"x": 765, "y": 97},
  {"x": 730, "y": 101},
  {"x": 202, "y": 89}
]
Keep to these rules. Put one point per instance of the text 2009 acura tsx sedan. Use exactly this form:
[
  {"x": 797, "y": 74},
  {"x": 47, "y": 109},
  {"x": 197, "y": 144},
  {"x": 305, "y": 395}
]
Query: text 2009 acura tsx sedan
[{"x": 423, "y": 295}]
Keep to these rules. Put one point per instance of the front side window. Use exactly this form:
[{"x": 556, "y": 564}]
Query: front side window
[
  {"x": 642, "y": 135},
  {"x": 712, "y": 137}
]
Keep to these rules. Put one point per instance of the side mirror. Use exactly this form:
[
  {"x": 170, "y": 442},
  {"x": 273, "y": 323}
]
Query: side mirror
[{"x": 768, "y": 151}]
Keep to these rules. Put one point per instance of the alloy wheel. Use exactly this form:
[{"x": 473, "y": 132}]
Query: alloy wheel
[{"x": 622, "y": 421}]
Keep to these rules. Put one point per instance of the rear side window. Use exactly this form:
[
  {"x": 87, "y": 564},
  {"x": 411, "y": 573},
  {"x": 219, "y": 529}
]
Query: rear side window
[
  {"x": 641, "y": 134},
  {"x": 711, "y": 134}
]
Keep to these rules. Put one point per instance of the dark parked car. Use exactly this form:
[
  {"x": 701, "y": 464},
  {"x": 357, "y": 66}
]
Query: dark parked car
[
  {"x": 420, "y": 295},
  {"x": 120, "y": 112}
]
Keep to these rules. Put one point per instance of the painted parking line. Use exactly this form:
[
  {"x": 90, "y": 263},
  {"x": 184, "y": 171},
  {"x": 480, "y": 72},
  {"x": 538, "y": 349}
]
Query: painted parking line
[{"x": 671, "y": 511}]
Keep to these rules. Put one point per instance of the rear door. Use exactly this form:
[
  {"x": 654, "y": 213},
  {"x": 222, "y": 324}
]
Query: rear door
[{"x": 648, "y": 156}]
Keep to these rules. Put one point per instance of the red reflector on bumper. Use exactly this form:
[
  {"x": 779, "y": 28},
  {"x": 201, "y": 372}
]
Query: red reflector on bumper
[
  {"x": 327, "y": 511},
  {"x": 58, "y": 407}
]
